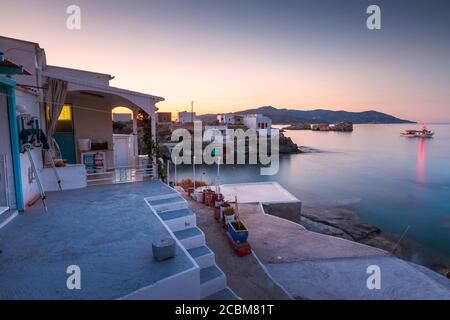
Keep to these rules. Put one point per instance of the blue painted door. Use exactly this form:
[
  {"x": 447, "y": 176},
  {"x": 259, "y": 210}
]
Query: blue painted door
[
  {"x": 66, "y": 142},
  {"x": 64, "y": 134}
]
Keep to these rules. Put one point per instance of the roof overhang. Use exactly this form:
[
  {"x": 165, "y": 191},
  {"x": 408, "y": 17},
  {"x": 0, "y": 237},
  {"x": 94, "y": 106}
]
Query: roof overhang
[
  {"x": 7, "y": 67},
  {"x": 144, "y": 101}
]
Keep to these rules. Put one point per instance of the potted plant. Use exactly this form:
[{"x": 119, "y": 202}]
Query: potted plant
[
  {"x": 223, "y": 206},
  {"x": 219, "y": 200},
  {"x": 217, "y": 213},
  {"x": 238, "y": 231},
  {"x": 228, "y": 214}
]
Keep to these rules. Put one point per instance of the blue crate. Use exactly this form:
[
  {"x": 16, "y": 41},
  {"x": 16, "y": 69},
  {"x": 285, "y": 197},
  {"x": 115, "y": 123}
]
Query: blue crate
[{"x": 239, "y": 236}]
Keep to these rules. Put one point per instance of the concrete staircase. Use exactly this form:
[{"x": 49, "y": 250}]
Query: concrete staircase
[{"x": 173, "y": 209}]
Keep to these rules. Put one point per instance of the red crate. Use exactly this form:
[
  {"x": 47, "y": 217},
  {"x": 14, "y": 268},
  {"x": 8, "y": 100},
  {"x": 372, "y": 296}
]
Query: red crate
[{"x": 241, "y": 249}]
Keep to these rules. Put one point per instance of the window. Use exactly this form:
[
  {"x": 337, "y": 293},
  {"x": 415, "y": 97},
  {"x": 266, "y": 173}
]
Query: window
[{"x": 65, "y": 123}]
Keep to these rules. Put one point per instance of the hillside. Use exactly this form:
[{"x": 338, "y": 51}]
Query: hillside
[{"x": 292, "y": 116}]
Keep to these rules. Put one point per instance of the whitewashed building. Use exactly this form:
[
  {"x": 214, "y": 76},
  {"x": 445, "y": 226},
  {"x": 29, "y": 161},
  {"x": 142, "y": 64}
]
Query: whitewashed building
[
  {"x": 187, "y": 117},
  {"x": 257, "y": 121},
  {"x": 77, "y": 105},
  {"x": 228, "y": 118},
  {"x": 110, "y": 227},
  {"x": 215, "y": 133}
]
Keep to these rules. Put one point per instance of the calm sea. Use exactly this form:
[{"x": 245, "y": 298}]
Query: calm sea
[{"x": 393, "y": 182}]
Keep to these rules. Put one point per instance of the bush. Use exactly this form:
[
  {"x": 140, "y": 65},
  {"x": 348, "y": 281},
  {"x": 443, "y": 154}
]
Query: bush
[
  {"x": 189, "y": 183},
  {"x": 229, "y": 211}
]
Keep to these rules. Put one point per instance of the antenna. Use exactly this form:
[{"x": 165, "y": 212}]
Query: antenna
[{"x": 192, "y": 110}]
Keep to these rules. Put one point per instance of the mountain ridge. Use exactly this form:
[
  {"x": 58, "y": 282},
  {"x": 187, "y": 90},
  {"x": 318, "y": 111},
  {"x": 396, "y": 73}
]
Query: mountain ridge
[{"x": 294, "y": 116}]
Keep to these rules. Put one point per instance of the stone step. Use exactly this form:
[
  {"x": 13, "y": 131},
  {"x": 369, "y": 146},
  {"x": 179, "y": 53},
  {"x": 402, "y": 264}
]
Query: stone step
[
  {"x": 179, "y": 219},
  {"x": 224, "y": 294},
  {"x": 203, "y": 256},
  {"x": 6, "y": 216},
  {"x": 168, "y": 204},
  {"x": 3, "y": 210},
  {"x": 212, "y": 280},
  {"x": 190, "y": 237}
]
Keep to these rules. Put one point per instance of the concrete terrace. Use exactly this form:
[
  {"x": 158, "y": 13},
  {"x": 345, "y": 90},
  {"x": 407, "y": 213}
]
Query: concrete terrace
[
  {"x": 310, "y": 265},
  {"x": 254, "y": 192},
  {"x": 106, "y": 230}
]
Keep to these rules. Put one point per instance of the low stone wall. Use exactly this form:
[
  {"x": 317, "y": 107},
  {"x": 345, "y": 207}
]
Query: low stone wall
[{"x": 291, "y": 211}]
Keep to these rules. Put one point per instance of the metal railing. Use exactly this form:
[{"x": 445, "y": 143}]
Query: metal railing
[{"x": 121, "y": 174}]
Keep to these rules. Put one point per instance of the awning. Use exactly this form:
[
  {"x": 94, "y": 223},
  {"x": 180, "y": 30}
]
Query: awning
[{"x": 10, "y": 68}]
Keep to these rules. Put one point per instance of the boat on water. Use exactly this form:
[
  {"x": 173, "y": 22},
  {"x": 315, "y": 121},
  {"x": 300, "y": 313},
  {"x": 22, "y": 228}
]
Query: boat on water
[{"x": 423, "y": 133}]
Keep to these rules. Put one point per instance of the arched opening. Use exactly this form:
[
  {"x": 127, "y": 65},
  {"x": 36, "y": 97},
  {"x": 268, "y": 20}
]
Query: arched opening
[
  {"x": 122, "y": 118},
  {"x": 104, "y": 135},
  {"x": 123, "y": 138}
]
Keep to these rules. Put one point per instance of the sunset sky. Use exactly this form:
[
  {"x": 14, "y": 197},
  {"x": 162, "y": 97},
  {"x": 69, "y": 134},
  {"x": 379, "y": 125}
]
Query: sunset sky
[{"x": 232, "y": 55}]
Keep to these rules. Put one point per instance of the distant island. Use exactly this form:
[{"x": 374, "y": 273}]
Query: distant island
[{"x": 292, "y": 116}]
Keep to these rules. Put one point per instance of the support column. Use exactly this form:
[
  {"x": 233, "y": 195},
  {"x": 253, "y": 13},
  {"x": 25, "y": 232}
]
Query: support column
[
  {"x": 14, "y": 137},
  {"x": 135, "y": 138},
  {"x": 153, "y": 122}
]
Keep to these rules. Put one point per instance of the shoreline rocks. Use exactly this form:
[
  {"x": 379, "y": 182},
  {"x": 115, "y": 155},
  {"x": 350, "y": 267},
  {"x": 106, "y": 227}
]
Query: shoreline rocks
[
  {"x": 300, "y": 126},
  {"x": 287, "y": 146},
  {"x": 344, "y": 222},
  {"x": 344, "y": 126}
]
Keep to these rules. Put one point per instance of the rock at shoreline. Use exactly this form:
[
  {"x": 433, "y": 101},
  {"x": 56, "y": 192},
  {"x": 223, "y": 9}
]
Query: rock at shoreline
[
  {"x": 286, "y": 145},
  {"x": 343, "y": 222},
  {"x": 334, "y": 216},
  {"x": 323, "y": 228},
  {"x": 339, "y": 222},
  {"x": 345, "y": 126},
  {"x": 301, "y": 126},
  {"x": 360, "y": 231}
]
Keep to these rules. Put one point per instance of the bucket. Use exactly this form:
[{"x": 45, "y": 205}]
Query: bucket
[
  {"x": 84, "y": 144},
  {"x": 199, "y": 197}
]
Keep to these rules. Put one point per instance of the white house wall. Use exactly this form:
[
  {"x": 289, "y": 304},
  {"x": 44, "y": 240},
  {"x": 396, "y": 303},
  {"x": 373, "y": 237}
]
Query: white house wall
[
  {"x": 88, "y": 76},
  {"x": 29, "y": 187},
  {"x": 92, "y": 119},
  {"x": 22, "y": 53}
]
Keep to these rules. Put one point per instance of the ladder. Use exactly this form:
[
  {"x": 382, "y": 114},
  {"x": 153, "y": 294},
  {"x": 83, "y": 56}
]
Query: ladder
[
  {"x": 52, "y": 163},
  {"x": 27, "y": 149}
]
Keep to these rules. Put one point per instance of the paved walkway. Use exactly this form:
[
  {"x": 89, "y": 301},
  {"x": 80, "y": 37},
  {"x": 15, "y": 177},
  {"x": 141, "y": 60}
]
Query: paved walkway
[
  {"x": 105, "y": 230},
  {"x": 315, "y": 266},
  {"x": 245, "y": 276},
  {"x": 252, "y": 192}
]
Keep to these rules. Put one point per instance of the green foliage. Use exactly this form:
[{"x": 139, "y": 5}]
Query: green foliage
[
  {"x": 229, "y": 211},
  {"x": 152, "y": 146}
]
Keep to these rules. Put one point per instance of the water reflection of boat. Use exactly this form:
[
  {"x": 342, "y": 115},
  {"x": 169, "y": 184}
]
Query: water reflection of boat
[{"x": 423, "y": 133}]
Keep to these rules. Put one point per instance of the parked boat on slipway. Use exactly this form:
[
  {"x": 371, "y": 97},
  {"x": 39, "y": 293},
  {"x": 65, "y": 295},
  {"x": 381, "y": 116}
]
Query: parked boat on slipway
[{"x": 423, "y": 133}]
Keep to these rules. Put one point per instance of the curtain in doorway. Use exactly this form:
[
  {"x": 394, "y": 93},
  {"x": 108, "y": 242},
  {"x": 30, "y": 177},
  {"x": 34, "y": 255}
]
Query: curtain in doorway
[{"x": 55, "y": 97}]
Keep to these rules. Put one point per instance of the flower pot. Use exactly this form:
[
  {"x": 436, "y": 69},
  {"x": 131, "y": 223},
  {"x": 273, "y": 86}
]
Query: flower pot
[
  {"x": 205, "y": 195},
  {"x": 238, "y": 231},
  {"x": 222, "y": 208},
  {"x": 229, "y": 218},
  {"x": 217, "y": 213},
  {"x": 211, "y": 199},
  {"x": 207, "y": 198},
  {"x": 199, "y": 196}
]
